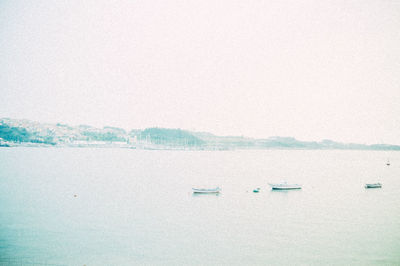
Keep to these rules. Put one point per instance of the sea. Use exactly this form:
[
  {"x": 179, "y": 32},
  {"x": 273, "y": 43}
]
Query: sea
[{"x": 105, "y": 206}]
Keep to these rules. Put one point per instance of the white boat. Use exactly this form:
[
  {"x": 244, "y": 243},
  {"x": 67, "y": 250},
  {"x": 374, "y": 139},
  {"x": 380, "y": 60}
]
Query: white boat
[
  {"x": 206, "y": 190},
  {"x": 284, "y": 186},
  {"x": 388, "y": 163},
  {"x": 373, "y": 185}
]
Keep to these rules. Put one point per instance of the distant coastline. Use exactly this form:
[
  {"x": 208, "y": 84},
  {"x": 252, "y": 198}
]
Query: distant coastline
[{"x": 27, "y": 133}]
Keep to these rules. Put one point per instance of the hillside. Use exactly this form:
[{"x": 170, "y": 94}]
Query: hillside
[{"x": 17, "y": 132}]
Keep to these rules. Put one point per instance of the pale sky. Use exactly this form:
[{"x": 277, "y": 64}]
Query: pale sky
[{"x": 301, "y": 68}]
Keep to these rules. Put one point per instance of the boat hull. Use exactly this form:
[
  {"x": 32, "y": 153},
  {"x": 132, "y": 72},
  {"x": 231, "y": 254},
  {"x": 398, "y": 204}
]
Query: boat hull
[
  {"x": 285, "y": 186},
  {"x": 376, "y": 185}
]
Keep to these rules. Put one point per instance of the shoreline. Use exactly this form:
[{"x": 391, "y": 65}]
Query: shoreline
[{"x": 178, "y": 148}]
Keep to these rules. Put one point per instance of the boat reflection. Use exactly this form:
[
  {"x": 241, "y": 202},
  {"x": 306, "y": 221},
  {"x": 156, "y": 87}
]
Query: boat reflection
[{"x": 205, "y": 194}]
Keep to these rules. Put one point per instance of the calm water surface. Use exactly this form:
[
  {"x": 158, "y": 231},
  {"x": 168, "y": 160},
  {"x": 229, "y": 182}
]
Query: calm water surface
[{"x": 135, "y": 207}]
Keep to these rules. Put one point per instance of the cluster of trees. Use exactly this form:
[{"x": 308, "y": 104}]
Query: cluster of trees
[
  {"x": 170, "y": 137},
  {"x": 103, "y": 136},
  {"x": 18, "y": 134}
]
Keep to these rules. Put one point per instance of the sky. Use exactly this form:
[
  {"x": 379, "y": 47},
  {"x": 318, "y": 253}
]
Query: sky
[{"x": 303, "y": 68}]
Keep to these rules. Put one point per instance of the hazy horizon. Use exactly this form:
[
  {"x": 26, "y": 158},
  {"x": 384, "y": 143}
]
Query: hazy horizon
[
  {"x": 306, "y": 69},
  {"x": 196, "y": 131}
]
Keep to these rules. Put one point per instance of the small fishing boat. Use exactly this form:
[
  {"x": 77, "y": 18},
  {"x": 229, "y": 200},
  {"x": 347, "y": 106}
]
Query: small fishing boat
[
  {"x": 206, "y": 190},
  {"x": 256, "y": 190},
  {"x": 284, "y": 186},
  {"x": 388, "y": 163},
  {"x": 373, "y": 185}
]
